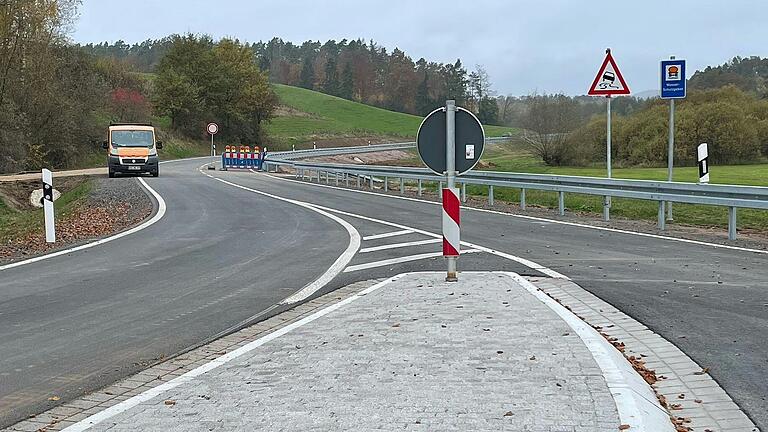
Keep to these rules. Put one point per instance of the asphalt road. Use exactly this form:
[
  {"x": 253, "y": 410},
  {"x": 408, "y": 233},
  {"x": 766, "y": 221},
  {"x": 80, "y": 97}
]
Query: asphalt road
[
  {"x": 75, "y": 323},
  {"x": 711, "y": 302},
  {"x": 222, "y": 254}
]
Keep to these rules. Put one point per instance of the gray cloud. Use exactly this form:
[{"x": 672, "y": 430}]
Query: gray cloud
[{"x": 544, "y": 46}]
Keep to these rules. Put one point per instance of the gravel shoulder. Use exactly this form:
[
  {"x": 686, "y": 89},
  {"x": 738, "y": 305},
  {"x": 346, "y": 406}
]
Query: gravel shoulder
[{"x": 110, "y": 206}]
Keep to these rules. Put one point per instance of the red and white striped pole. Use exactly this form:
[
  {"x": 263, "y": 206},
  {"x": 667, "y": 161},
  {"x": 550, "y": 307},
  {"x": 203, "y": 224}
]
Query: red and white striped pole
[
  {"x": 451, "y": 207},
  {"x": 451, "y": 223}
]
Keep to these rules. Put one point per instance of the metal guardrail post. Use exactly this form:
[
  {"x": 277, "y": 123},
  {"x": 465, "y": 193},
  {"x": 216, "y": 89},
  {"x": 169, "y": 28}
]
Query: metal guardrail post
[
  {"x": 561, "y": 203},
  {"x": 522, "y": 199},
  {"x": 662, "y": 219},
  {"x": 419, "y": 187},
  {"x": 440, "y": 188},
  {"x": 358, "y": 181},
  {"x": 607, "y": 208},
  {"x": 372, "y": 183},
  {"x": 463, "y": 192},
  {"x": 386, "y": 184},
  {"x": 731, "y": 223},
  {"x": 402, "y": 186},
  {"x": 490, "y": 195},
  {"x": 336, "y": 175}
]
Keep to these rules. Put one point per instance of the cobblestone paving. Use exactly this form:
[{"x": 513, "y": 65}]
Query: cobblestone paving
[{"x": 417, "y": 354}]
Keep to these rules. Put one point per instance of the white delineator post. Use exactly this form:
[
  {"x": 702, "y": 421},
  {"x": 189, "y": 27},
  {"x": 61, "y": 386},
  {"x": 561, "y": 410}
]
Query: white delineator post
[
  {"x": 451, "y": 206},
  {"x": 702, "y": 156},
  {"x": 50, "y": 226}
]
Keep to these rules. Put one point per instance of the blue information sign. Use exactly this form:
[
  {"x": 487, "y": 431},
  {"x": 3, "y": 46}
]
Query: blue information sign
[{"x": 673, "y": 79}]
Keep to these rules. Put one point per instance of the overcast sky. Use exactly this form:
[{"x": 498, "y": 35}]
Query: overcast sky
[{"x": 526, "y": 46}]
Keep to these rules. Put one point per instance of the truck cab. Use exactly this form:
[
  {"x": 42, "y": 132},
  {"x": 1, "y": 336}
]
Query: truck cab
[{"x": 132, "y": 149}]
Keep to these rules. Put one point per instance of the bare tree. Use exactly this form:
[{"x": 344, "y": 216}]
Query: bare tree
[{"x": 546, "y": 123}]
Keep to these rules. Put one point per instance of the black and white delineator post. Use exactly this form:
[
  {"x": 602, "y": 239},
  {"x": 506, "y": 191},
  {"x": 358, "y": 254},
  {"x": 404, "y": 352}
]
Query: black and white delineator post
[
  {"x": 50, "y": 227},
  {"x": 702, "y": 156}
]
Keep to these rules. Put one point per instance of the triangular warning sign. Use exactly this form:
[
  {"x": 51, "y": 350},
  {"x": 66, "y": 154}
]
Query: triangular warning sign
[{"x": 608, "y": 81}]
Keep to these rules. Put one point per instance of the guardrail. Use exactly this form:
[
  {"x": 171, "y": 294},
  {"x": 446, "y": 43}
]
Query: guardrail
[
  {"x": 732, "y": 197},
  {"x": 371, "y": 148}
]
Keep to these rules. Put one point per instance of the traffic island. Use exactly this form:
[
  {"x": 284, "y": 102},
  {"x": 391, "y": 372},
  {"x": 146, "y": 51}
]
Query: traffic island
[{"x": 490, "y": 352}]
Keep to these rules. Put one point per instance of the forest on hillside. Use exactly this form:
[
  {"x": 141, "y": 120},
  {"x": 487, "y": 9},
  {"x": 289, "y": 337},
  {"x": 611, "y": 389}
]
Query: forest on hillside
[{"x": 352, "y": 69}]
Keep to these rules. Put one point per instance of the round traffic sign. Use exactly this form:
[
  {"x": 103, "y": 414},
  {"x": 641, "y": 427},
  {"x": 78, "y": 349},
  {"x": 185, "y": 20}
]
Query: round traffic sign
[
  {"x": 470, "y": 141},
  {"x": 212, "y": 128}
]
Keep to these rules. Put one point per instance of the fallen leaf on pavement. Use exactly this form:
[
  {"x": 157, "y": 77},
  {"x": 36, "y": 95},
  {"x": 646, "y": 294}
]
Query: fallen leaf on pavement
[
  {"x": 170, "y": 402},
  {"x": 624, "y": 427},
  {"x": 54, "y": 398}
]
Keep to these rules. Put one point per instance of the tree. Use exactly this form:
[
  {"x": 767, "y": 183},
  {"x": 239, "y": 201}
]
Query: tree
[
  {"x": 548, "y": 121},
  {"x": 307, "y": 78},
  {"x": 488, "y": 113},
  {"x": 200, "y": 81},
  {"x": 424, "y": 104},
  {"x": 331, "y": 82},
  {"x": 346, "y": 87}
]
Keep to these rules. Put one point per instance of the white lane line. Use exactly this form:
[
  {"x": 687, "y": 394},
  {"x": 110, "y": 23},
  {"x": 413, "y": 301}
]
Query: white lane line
[
  {"x": 399, "y": 245},
  {"x": 400, "y": 260},
  {"x": 636, "y": 402},
  {"x": 389, "y": 234},
  {"x": 152, "y": 393},
  {"x": 538, "y": 219},
  {"x": 335, "y": 268},
  {"x": 528, "y": 263},
  {"x": 161, "y": 208}
]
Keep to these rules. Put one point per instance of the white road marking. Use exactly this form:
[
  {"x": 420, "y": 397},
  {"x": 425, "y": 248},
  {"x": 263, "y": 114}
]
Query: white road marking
[
  {"x": 161, "y": 208},
  {"x": 400, "y": 260},
  {"x": 389, "y": 234},
  {"x": 528, "y": 263},
  {"x": 636, "y": 402},
  {"x": 399, "y": 245},
  {"x": 127, "y": 404},
  {"x": 337, "y": 267},
  {"x": 537, "y": 219}
]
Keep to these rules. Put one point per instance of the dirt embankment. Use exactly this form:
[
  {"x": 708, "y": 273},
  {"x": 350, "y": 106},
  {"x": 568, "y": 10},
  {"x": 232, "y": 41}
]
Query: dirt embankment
[{"x": 108, "y": 206}]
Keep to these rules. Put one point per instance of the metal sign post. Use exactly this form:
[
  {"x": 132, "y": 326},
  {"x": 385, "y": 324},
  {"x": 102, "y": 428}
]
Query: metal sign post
[
  {"x": 672, "y": 87},
  {"x": 50, "y": 226},
  {"x": 212, "y": 130},
  {"x": 450, "y": 141},
  {"x": 607, "y": 200},
  {"x": 608, "y": 82},
  {"x": 450, "y": 178}
]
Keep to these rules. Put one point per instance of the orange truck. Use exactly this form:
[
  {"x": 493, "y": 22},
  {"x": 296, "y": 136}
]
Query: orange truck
[{"x": 132, "y": 149}]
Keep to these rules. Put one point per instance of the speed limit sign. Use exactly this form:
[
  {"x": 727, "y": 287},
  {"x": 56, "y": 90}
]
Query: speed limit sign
[{"x": 212, "y": 128}]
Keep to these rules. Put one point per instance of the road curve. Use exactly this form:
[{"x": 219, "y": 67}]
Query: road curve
[
  {"x": 711, "y": 302},
  {"x": 219, "y": 256}
]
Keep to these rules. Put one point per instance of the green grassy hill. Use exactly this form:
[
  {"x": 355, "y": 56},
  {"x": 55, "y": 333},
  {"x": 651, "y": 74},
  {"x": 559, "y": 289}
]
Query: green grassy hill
[{"x": 309, "y": 115}]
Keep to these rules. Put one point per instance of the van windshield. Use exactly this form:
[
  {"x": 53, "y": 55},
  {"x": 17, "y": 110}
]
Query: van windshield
[{"x": 132, "y": 138}]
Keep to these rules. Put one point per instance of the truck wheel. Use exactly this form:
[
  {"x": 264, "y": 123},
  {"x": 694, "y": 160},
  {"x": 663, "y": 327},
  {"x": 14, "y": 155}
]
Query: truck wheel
[
  {"x": 156, "y": 173},
  {"x": 111, "y": 174}
]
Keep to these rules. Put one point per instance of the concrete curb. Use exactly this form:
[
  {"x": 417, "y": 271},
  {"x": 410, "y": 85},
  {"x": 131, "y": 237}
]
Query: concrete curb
[{"x": 635, "y": 400}]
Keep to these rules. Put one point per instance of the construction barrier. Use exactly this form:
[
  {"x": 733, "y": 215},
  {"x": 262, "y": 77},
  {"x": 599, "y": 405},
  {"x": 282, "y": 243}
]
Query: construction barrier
[{"x": 241, "y": 158}]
